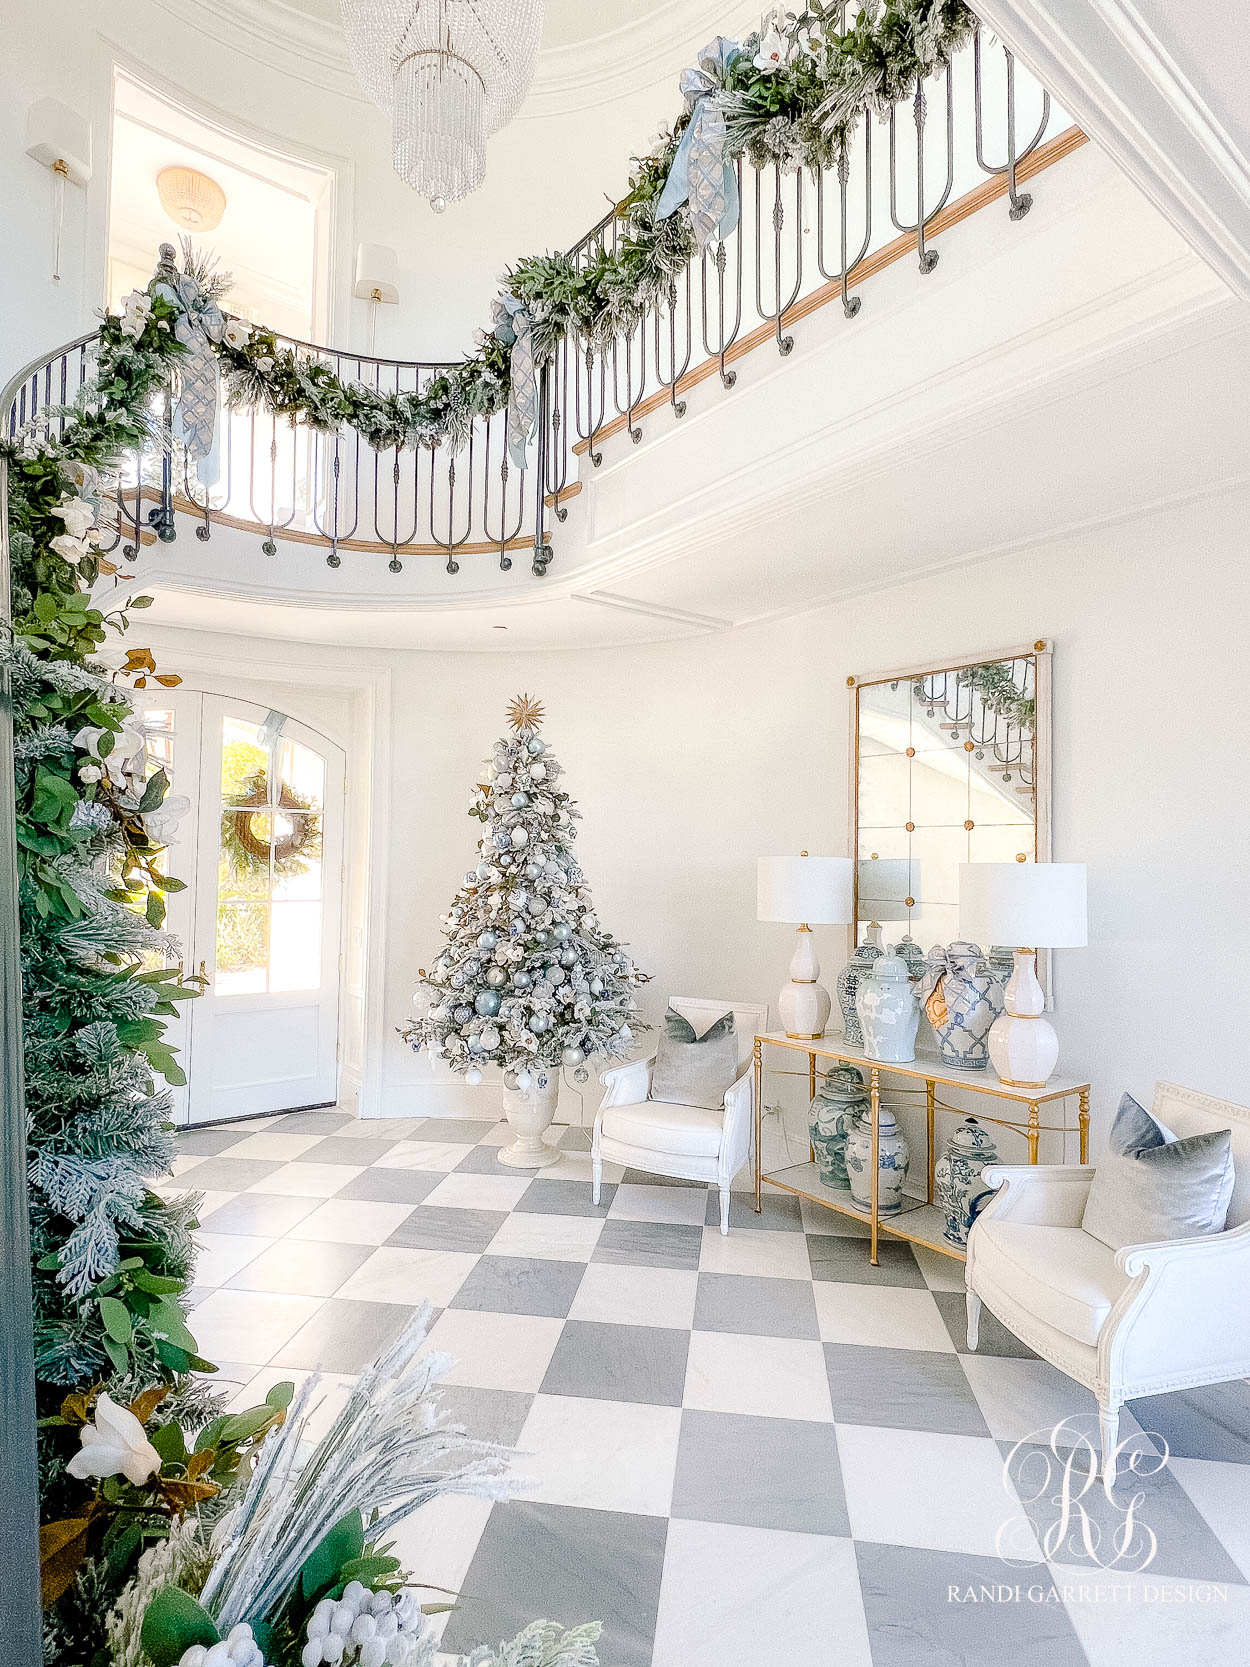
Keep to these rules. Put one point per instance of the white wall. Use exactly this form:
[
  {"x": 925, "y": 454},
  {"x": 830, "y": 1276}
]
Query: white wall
[{"x": 690, "y": 759}]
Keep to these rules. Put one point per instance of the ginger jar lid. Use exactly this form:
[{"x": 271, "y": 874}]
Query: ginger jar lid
[
  {"x": 891, "y": 969},
  {"x": 970, "y": 1137}
]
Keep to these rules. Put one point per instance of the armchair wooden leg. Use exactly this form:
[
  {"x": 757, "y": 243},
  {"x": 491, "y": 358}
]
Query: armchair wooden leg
[
  {"x": 596, "y": 1178},
  {"x": 1109, "y": 1430},
  {"x": 724, "y": 1209},
  {"x": 974, "y": 1318}
]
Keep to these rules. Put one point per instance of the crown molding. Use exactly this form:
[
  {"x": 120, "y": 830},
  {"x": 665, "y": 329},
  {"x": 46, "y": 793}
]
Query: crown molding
[
  {"x": 642, "y": 53},
  {"x": 1105, "y": 64}
]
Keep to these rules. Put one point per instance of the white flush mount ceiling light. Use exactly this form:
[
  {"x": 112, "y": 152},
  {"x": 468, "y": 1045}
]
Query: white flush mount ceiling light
[
  {"x": 451, "y": 73},
  {"x": 191, "y": 199}
]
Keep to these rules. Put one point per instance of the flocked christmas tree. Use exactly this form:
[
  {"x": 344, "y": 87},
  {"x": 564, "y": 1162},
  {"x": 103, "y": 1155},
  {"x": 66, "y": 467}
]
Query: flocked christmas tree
[{"x": 528, "y": 978}]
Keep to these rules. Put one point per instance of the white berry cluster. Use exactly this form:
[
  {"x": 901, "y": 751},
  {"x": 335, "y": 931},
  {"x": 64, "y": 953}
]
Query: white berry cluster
[
  {"x": 237, "y": 1649},
  {"x": 375, "y": 1629}
]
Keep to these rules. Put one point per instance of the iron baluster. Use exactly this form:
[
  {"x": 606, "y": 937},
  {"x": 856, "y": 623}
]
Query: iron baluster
[
  {"x": 542, "y": 550},
  {"x": 1021, "y": 201}
]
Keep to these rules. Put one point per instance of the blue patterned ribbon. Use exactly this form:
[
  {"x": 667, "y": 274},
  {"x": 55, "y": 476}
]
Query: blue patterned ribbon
[
  {"x": 701, "y": 174},
  {"x": 511, "y": 322},
  {"x": 199, "y": 327}
]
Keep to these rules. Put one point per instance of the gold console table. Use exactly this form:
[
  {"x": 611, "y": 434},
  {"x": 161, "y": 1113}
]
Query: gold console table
[{"x": 919, "y": 1221}]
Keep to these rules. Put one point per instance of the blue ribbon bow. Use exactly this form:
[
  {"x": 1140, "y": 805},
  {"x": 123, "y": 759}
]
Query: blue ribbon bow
[
  {"x": 199, "y": 326},
  {"x": 701, "y": 174},
  {"x": 511, "y": 323}
]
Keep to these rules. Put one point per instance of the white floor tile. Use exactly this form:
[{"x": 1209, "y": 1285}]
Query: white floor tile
[
  {"x": 882, "y": 1315},
  {"x": 941, "y": 1273},
  {"x": 773, "y": 1255},
  {"x": 817, "y": 1219},
  {"x": 424, "y": 1154},
  {"x": 412, "y": 1276},
  {"x": 939, "y": 1492},
  {"x": 1020, "y": 1398},
  {"x": 575, "y": 1166},
  {"x": 496, "y": 1351},
  {"x": 621, "y": 1295},
  {"x": 771, "y": 1377},
  {"x": 213, "y": 1201},
  {"x": 499, "y": 1135},
  {"x": 351, "y": 1221},
  {"x": 221, "y": 1255},
  {"x": 309, "y": 1180},
  {"x": 183, "y": 1164},
  {"x": 1222, "y": 1494},
  {"x": 249, "y": 1326},
  {"x": 479, "y": 1192},
  {"x": 327, "y": 1398},
  {"x": 272, "y": 1144},
  {"x": 556, "y": 1238},
  {"x": 683, "y": 1205},
  {"x": 742, "y": 1597},
  {"x": 379, "y": 1128},
  {"x": 600, "y": 1455},
  {"x": 1149, "y": 1620},
  {"x": 438, "y": 1541}
]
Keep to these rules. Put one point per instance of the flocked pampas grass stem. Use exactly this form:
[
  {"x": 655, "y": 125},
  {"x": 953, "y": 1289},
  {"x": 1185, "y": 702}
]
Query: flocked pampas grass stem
[{"x": 388, "y": 1451}]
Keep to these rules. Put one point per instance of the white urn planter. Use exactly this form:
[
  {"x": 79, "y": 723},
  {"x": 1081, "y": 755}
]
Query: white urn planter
[{"x": 530, "y": 1112}]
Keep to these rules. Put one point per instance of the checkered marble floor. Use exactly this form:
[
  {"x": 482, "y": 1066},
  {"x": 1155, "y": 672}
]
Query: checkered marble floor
[{"x": 741, "y": 1451}]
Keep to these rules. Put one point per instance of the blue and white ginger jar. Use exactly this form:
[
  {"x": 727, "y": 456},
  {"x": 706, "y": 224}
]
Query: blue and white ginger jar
[
  {"x": 859, "y": 965},
  {"x": 962, "y": 996},
  {"x": 838, "y": 1102},
  {"x": 889, "y": 1015},
  {"x": 893, "y": 1159},
  {"x": 957, "y": 1184}
]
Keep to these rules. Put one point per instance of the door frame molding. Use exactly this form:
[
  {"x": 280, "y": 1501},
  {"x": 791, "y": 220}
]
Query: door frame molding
[{"x": 368, "y": 750}]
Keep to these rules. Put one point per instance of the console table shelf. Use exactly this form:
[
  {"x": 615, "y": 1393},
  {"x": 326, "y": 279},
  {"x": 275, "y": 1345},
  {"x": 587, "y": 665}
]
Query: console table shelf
[{"x": 919, "y": 1221}]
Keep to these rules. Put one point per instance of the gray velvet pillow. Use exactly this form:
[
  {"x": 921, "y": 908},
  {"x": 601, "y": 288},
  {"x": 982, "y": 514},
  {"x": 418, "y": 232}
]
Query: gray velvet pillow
[
  {"x": 1151, "y": 1186},
  {"x": 692, "y": 1071}
]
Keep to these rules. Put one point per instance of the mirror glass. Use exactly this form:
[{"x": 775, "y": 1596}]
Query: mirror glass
[{"x": 948, "y": 768}]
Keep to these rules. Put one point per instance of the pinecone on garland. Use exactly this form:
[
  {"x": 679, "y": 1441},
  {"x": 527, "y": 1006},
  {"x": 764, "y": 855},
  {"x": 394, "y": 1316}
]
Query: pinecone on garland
[{"x": 528, "y": 978}]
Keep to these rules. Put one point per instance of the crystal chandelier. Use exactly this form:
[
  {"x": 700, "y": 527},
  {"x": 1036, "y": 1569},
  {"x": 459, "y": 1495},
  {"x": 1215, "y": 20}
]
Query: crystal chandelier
[{"x": 451, "y": 72}]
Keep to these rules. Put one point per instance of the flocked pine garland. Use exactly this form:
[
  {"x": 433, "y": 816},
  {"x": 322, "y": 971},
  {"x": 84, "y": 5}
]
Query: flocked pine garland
[{"x": 792, "y": 96}]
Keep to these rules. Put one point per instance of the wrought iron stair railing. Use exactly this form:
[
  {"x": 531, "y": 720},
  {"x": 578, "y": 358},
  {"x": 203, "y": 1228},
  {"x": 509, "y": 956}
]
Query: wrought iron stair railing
[{"x": 972, "y": 135}]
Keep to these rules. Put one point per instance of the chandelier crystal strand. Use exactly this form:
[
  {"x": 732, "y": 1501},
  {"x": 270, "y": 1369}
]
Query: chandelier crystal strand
[{"x": 451, "y": 73}]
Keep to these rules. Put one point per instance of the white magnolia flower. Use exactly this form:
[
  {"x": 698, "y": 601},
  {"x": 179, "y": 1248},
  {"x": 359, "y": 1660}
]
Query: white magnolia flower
[
  {"x": 772, "y": 53},
  {"x": 237, "y": 333},
  {"x": 264, "y": 363},
  {"x": 136, "y": 310},
  {"x": 114, "y": 1445},
  {"x": 69, "y": 549},
  {"x": 86, "y": 479},
  {"x": 90, "y": 772},
  {"x": 78, "y": 516}
]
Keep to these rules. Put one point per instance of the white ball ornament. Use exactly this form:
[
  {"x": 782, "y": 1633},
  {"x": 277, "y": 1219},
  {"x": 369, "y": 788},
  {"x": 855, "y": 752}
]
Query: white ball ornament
[
  {"x": 495, "y": 976},
  {"x": 538, "y": 772},
  {"x": 473, "y": 1076},
  {"x": 489, "y": 1039},
  {"x": 536, "y": 746},
  {"x": 540, "y": 1024},
  {"x": 520, "y": 836},
  {"x": 533, "y": 870},
  {"x": 573, "y": 1056}
]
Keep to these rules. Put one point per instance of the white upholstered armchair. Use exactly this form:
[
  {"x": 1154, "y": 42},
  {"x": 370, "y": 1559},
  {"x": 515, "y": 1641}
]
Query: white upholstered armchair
[
  {"x": 1139, "y": 1321},
  {"x": 683, "y": 1141}
]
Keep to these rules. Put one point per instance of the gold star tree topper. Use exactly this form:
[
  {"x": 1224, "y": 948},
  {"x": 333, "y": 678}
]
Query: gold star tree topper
[{"x": 525, "y": 713}]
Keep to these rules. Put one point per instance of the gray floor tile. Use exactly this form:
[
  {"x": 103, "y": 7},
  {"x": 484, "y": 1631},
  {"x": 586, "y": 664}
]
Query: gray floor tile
[
  {"x": 759, "y": 1473},
  {"x": 777, "y": 1214},
  {"x": 644, "y": 1178},
  {"x": 902, "y": 1389},
  {"x": 267, "y": 1214},
  {"x": 487, "y": 1414},
  {"x": 312, "y": 1122},
  {"x": 564, "y": 1198},
  {"x": 1208, "y": 1423},
  {"x": 483, "y": 1160},
  {"x": 759, "y": 1307},
  {"x": 301, "y": 1267},
  {"x": 229, "y": 1174},
  {"x": 1186, "y": 1548},
  {"x": 913, "y": 1621},
  {"x": 838, "y": 1258},
  {"x": 992, "y": 1335},
  {"x": 619, "y": 1363},
  {"x": 345, "y": 1336},
  {"x": 208, "y": 1142},
  {"x": 520, "y": 1285},
  {"x": 438, "y": 1227},
  {"x": 457, "y": 1130},
  {"x": 570, "y": 1564},
  {"x": 341, "y": 1149},
  {"x": 391, "y": 1186},
  {"x": 649, "y": 1244},
  {"x": 576, "y": 1138}
]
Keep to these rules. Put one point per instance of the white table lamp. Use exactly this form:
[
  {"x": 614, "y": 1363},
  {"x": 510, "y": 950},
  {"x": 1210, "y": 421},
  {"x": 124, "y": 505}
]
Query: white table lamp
[
  {"x": 1038, "y": 904},
  {"x": 805, "y": 891}
]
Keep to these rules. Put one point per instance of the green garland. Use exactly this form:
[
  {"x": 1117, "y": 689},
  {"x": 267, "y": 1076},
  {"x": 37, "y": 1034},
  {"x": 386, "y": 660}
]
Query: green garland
[{"x": 799, "y": 113}]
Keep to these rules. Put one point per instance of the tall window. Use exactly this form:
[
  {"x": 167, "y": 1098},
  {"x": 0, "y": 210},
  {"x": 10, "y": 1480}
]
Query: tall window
[{"x": 275, "y": 210}]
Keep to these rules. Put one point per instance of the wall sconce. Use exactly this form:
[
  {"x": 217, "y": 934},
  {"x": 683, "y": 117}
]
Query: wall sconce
[
  {"x": 61, "y": 139},
  {"x": 377, "y": 282}
]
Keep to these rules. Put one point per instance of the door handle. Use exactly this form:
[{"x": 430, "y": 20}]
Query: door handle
[{"x": 202, "y": 966}]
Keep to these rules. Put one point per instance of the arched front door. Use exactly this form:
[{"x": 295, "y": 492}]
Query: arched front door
[{"x": 261, "y": 851}]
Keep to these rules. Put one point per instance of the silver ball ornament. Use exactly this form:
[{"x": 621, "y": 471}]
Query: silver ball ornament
[
  {"x": 521, "y": 979},
  {"x": 489, "y": 1039},
  {"x": 568, "y": 957},
  {"x": 573, "y": 1056},
  {"x": 520, "y": 800},
  {"x": 487, "y": 1003},
  {"x": 562, "y": 931},
  {"x": 537, "y": 746},
  {"x": 462, "y": 1015},
  {"x": 487, "y": 939},
  {"x": 555, "y": 976},
  {"x": 533, "y": 870},
  {"x": 496, "y": 976},
  {"x": 540, "y": 1024}
]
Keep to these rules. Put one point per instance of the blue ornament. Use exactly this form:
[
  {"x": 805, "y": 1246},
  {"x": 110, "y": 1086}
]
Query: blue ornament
[
  {"x": 537, "y": 746},
  {"x": 521, "y": 980},
  {"x": 487, "y": 940},
  {"x": 487, "y": 1003},
  {"x": 520, "y": 800},
  {"x": 462, "y": 1015},
  {"x": 562, "y": 931}
]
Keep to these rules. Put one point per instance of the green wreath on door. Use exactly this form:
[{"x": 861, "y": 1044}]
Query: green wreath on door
[{"x": 247, "y": 847}]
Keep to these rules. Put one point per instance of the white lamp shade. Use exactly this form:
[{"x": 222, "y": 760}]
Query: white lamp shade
[
  {"x": 812, "y": 891},
  {"x": 885, "y": 883},
  {"x": 1040, "y": 905},
  {"x": 377, "y": 270}
]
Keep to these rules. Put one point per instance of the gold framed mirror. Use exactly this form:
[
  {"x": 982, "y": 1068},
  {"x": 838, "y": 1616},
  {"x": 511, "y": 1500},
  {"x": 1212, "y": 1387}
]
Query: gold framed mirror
[{"x": 950, "y": 763}]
